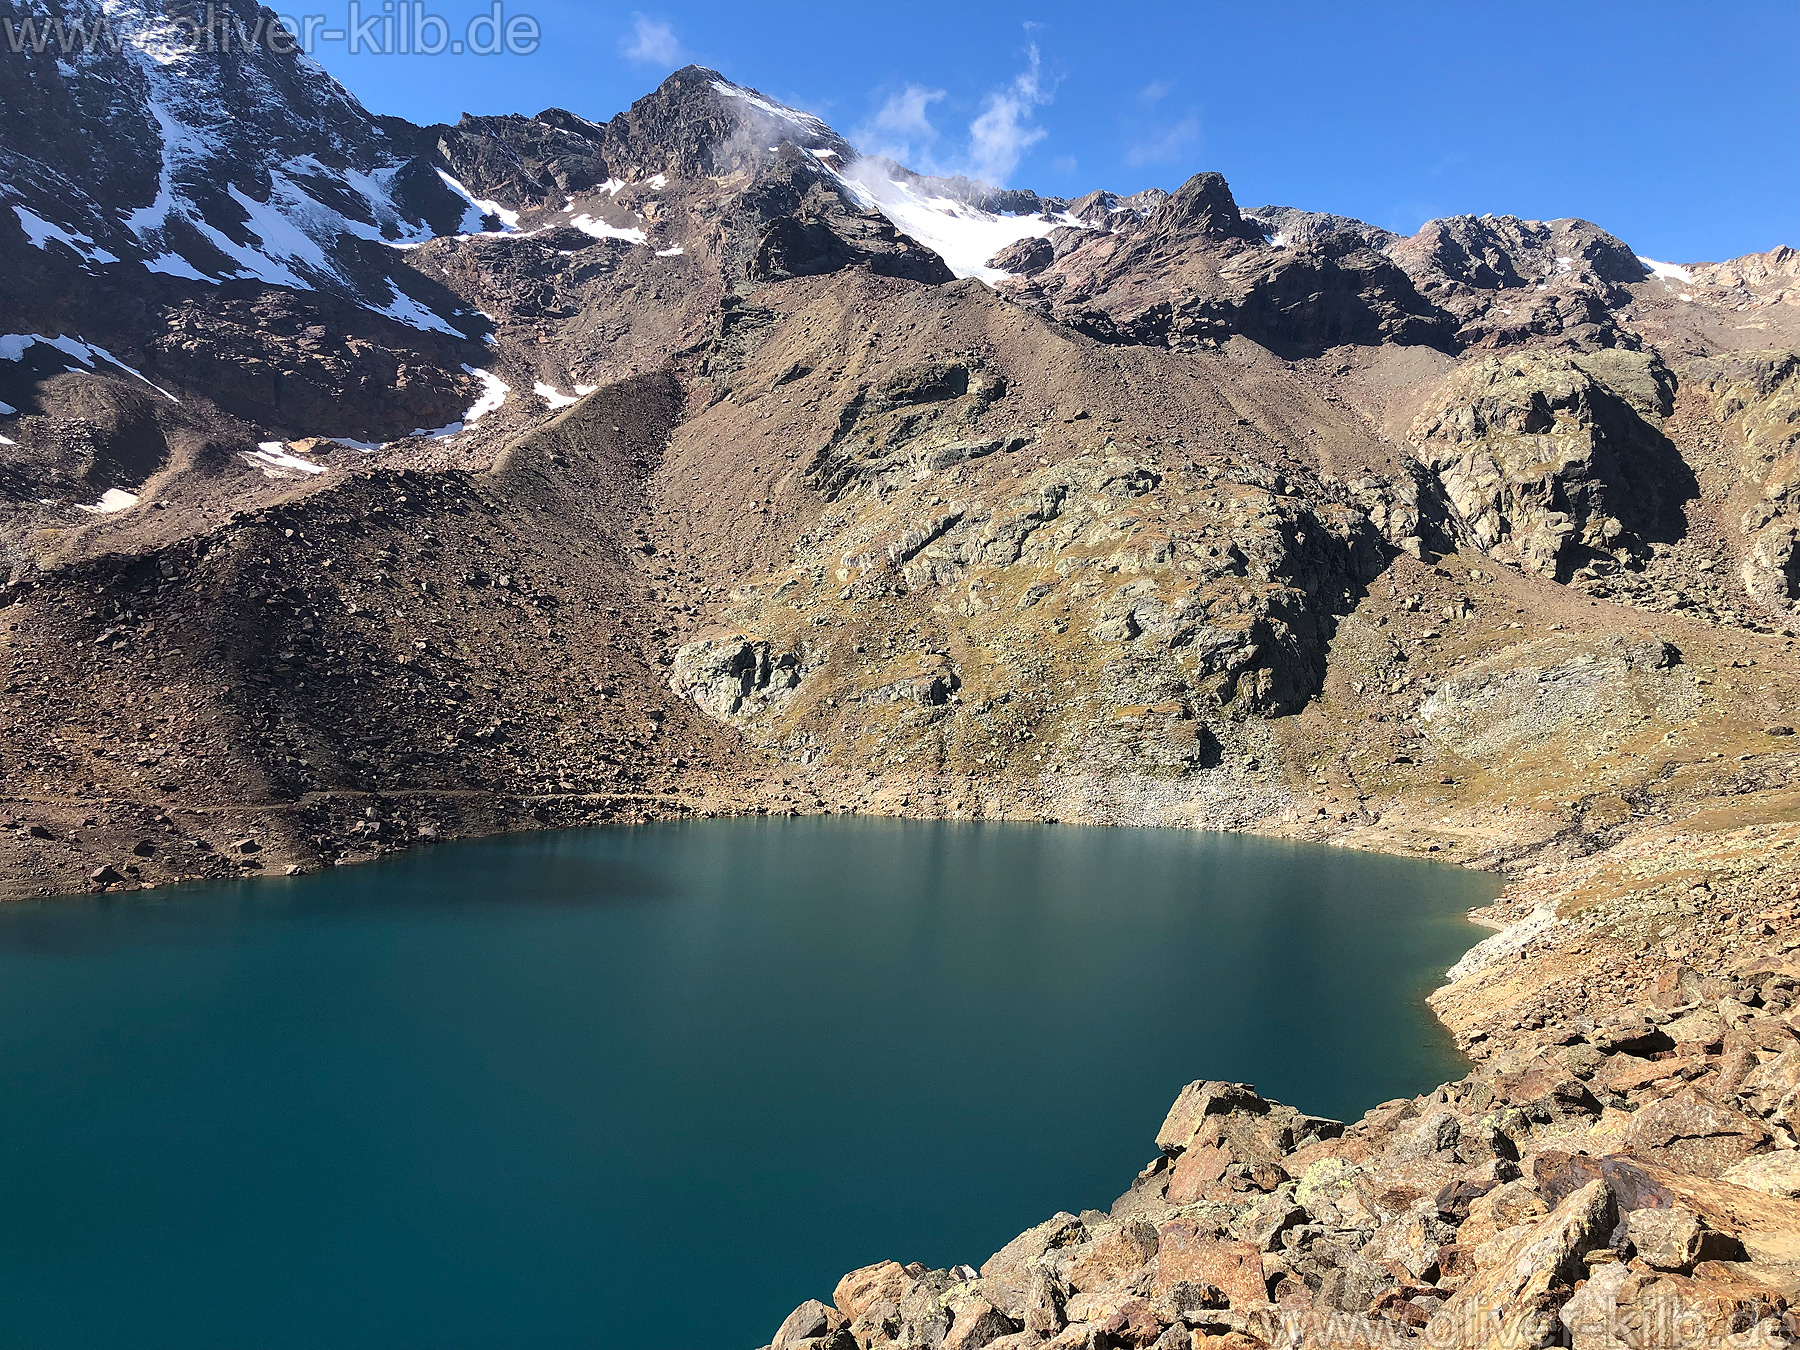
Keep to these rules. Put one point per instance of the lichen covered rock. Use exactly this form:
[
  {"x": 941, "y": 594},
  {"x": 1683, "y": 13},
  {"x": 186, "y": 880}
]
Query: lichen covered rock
[{"x": 1553, "y": 459}]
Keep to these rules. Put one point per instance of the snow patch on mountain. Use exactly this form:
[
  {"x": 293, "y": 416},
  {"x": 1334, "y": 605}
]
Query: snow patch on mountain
[
  {"x": 410, "y": 312},
  {"x": 1667, "y": 271},
  {"x": 111, "y": 502},
  {"x": 599, "y": 229},
  {"x": 174, "y": 265},
  {"x": 273, "y": 458},
  {"x": 41, "y": 233},
  {"x": 290, "y": 235},
  {"x": 964, "y": 236},
  {"x": 479, "y": 209},
  {"x": 13, "y": 347},
  {"x": 805, "y": 121},
  {"x": 493, "y": 394}
]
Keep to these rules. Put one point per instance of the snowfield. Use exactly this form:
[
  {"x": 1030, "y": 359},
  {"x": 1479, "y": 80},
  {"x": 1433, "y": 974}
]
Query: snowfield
[
  {"x": 1667, "y": 271},
  {"x": 273, "y": 459},
  {"x": 13, "y": 347},
  {"x": 112, "y": 501},
  {"x": 599, "y": 229},
  {"x": 962, "y": 235}
]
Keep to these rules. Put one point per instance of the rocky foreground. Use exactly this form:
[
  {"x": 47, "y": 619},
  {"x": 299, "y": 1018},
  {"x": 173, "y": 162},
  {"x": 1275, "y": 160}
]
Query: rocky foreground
[{"x": 1618, "y": 1170}]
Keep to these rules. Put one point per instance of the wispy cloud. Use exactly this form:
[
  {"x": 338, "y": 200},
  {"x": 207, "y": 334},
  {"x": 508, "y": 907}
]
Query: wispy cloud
[
  {"x": 651, "y": 42},
  {"x": 901, "y": 129},
  {"x": 1006, "y": 127},
  {"x": 1165, "y": 145},
  {"x": 1157, "y": 139}
]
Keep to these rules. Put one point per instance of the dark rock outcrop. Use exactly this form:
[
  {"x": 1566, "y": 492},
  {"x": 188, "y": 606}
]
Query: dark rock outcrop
[
  {"x": 1556, "y": 460},
  {"x": 1508, "y": 280}
]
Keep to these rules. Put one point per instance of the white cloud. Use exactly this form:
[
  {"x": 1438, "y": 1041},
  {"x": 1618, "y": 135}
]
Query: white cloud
[
  {"x": 902, "y": 129},
  {"x": 999, "y": 136},
  {"x": 651, "y": 42}
]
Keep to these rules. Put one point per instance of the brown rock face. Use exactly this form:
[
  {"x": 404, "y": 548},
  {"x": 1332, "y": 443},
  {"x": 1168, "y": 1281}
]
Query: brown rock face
[
  {"x": 1776, "y": 1173},
  {"x": 1194, "y": 271},
  {"x": 807, "y": 1323},
  {"x": 1113, "y": 1254},
  {"x": 1677, "y": 1240},
  {"x": 1186, "y": 1251},
  {"x": 1515, "y": 1297},
  {"x": 1507, "y": 280},
  {"x": 1691, "y": 1132},
  {"x": 857, "y": 1292},
  {"x": 1197, "y": 1101},
  {"x": 1332, "y": 292},
  {"x": 1025, "y": 258},
  {"x": 1559, "y": 460}
]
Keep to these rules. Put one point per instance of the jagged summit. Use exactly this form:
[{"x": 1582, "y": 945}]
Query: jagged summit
[
  {"x": 1290, "y": 225},
  {"x": 697, "y": 123},
  {"x": 244, "y": 164},
  {"x": 258, "y": 167},
  {"x": 253, "y": 235}
]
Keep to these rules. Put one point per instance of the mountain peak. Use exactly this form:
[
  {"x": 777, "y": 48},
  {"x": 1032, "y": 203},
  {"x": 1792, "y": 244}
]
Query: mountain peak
[
  {"x": 1204, "y": 204},
  {"x": 699, "y": 124}
]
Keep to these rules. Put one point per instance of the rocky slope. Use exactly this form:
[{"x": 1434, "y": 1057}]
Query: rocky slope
[{"x": 364, "y": 483}]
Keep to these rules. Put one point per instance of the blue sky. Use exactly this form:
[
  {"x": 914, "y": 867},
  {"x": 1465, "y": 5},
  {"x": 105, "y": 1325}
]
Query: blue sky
[{"x": 1677, "y": 127}]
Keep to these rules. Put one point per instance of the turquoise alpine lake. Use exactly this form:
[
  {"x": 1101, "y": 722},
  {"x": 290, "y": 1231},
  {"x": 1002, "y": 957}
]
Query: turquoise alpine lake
[{"x": 647, "y": 1089}]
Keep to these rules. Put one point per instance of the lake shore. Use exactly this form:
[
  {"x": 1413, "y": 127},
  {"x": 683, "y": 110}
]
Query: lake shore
[
  {"x": 509, "y": 1065},
  {"x": 1623, "y": 1150},
  {"x": 1600, "y": 943}
]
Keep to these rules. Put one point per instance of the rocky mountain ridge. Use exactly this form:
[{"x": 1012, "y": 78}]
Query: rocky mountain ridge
[{"x": 364, "y": 484}]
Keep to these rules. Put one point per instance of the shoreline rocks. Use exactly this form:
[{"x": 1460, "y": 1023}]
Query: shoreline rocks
[{"x": 1600, "y": 1177}]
